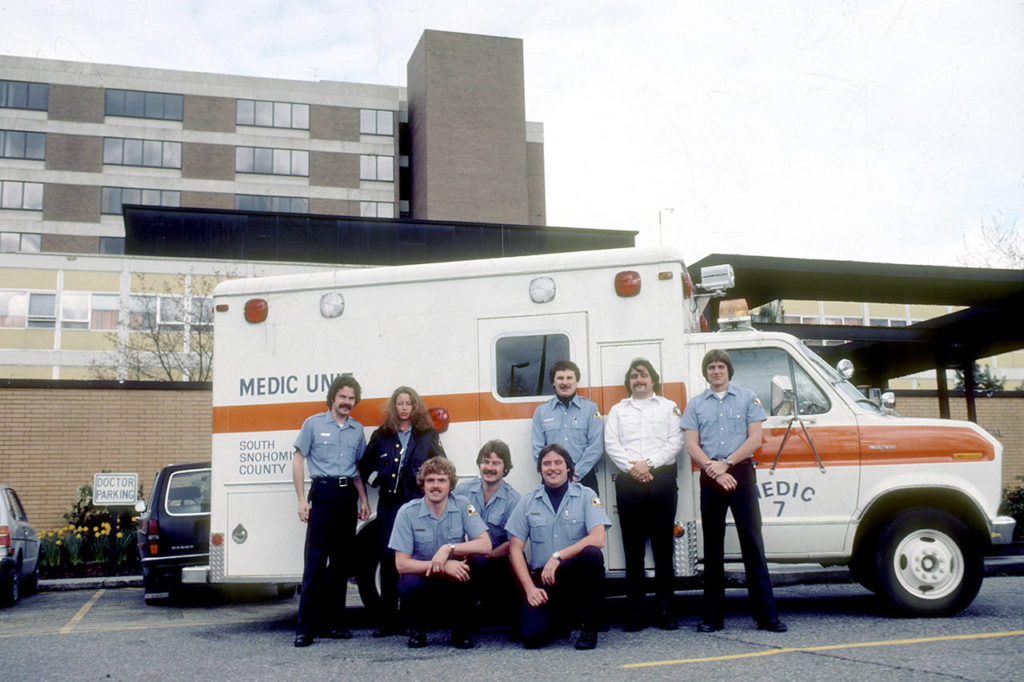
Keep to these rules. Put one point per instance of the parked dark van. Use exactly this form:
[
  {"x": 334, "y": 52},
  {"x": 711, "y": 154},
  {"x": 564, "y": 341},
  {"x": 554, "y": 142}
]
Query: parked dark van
[{"x": 174, "y": 529}]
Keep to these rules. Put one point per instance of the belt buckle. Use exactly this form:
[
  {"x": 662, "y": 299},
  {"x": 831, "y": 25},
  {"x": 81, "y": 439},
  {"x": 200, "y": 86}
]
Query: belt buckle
[{"x": 342, "y": 482}]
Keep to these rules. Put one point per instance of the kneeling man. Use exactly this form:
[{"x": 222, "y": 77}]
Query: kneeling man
[
  {"x": 565, "y": 525},
  {"x": 429, "y": 540}
]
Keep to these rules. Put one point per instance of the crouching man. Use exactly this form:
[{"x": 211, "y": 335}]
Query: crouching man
[
  {"x": 430, "y": 545},
  {"x": 565, "y": 525}
]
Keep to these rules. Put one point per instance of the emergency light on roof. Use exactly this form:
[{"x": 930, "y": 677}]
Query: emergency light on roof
[
  {"x": 256, "y": 310},
  {"x": 542, "y": 289},
  {"x": 627, "y": 283},
  {"x": 439, "y": 417},
  {"x": 733, "y": 314}
]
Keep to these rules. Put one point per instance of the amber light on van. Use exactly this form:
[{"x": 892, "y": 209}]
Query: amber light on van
[
  {"x": 627, "y": 283},
  {"x": 439, "y": 416},
  {"x": 256, "y": 310},
  {"x": 217, "y": 539},
  {"x": 153, "y": 537}
]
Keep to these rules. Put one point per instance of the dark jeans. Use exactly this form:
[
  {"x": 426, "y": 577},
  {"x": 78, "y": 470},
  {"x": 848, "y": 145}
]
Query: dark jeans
[
  {"x": 388, "y": 616},
  {"x": 647, "y": 511},
  {"x": 435, "y": 601},
  {"x": 494, "y": 586},
  {"x": 576, "y": 598},
  {"x": 714, "y": 502},
  {"x": 330, "y": 545}
]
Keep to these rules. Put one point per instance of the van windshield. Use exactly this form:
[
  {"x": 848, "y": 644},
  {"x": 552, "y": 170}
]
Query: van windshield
[{"x": 844, "y": 386}]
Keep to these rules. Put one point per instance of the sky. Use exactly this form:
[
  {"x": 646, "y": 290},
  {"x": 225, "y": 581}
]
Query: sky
[{"x": 878, "y": 130}]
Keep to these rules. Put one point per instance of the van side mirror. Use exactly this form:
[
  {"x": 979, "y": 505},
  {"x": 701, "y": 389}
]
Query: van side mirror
[
  {"x": 783, "y": 397},
  {"x": 140, "y": 506}
]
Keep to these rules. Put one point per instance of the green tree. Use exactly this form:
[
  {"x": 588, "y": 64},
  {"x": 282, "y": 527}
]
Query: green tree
[{"x": 984, "y": 379}]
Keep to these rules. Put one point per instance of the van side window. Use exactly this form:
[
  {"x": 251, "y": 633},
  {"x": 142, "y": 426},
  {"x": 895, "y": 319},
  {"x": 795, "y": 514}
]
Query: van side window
[
  {"x": 188, "y": 492},
  {"x": 754, "y": 368},
  {"x": 522, "y": 363}
]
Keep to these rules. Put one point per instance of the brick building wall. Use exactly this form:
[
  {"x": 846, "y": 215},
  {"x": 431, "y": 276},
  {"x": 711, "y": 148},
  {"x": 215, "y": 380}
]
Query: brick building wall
[{"x": 52, "y": 440}]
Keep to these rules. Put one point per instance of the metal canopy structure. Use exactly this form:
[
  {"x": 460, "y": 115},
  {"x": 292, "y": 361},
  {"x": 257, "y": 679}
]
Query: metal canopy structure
[{"x": 992, "y": 322}]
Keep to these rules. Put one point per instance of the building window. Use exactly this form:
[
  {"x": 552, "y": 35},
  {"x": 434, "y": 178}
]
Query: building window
[
  {"x": 376, "y": 122},
  {"x": 377, "y": 168},
  {"x": 376, "y": 209},
  {"x": 113, "y": 198},
  {"x": 20, "y": 241},
  {"x": 272, "y": 114},
  {"x": 42, "y": 311},
  {"x": 136, "y": 104},
  {"x": 20, "y": 95},
  {"x": 13, "y": 309},
  {"x": 103, "y": 312},
  {"x": 17, "y": 144},
  {"x": 74, "y": 310},
  {"x": 257, "y": 202},
  {"x": 27, "y": 196},
  {"x": 142, "y": 312},
  {"x": 112, "y": 246},
  {"x": 130, "y": 152},
  {"x": 271, "y": 161}
]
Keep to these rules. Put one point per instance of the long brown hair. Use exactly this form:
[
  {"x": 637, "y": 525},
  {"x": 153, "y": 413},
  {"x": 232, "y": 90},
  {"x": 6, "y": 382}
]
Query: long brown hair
[{"x": 420, "y": 417}]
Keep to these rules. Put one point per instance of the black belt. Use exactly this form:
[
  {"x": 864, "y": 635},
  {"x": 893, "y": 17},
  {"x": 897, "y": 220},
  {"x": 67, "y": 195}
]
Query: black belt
[{"x": 339, "y": 481}]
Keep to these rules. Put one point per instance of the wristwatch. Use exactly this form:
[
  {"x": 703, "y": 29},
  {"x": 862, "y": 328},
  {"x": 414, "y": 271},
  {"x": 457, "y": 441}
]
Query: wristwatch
[
  {"x": 728, "y": 460},
  {"x": 650, "y": 463},
  {"x": 452, "y": 546},
  {"x": 557, "y": 556}
]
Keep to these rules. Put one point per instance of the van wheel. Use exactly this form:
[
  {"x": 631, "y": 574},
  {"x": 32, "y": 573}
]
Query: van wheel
[
  {"x": 368, "y": 570},
  {"x": 926, "y": 564},
  {"x": 31, "y": 584}
]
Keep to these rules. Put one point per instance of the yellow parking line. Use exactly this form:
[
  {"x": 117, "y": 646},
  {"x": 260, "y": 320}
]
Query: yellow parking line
[
  {"x": 828, "y": 647},
  {"x": 81, "y": 612}
]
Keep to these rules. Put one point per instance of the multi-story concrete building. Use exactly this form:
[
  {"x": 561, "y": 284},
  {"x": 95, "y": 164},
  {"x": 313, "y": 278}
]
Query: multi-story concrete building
[{"x": 78, "y": 141}]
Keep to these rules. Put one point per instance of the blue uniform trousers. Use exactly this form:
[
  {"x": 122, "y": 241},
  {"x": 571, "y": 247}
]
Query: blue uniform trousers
[
  {"x": 330, "y": 543},
  {"x": 575, "y": 598},
  {"x": 647, "y": 511},
  {"x": 714, "y": 502}
]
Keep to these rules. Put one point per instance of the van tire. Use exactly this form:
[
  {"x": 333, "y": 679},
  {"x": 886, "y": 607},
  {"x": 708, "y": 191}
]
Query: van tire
[
  {"x": 926, "y": 563},
  {"x": 368, "y": 568},
  {"x": 286, "y": 590}
]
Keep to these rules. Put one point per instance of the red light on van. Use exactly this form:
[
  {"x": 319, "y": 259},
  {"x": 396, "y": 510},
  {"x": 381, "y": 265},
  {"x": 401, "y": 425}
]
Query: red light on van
[
  {"x": 255, "y": 310},
  {"x": 5, "y": 540},
  {"x": 439, "y": 416},
  {"x": 687, "y": 285},
  {"x": 627, "y": 283},
  {"x": 153, "y": 536},
  {"x": 217, "y": 539},
  {"x": 704, "y": 323}
]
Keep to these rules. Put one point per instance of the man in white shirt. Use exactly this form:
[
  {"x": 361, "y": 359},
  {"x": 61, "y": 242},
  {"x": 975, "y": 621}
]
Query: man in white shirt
[{"x": 642, "y": 439}]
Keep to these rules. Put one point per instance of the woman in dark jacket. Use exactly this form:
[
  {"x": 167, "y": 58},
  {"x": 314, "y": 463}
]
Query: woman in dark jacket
[{"x": 397, "y": 449}]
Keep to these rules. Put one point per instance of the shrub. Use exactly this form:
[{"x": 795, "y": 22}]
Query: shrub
[{"x": 1013, "y": 505}]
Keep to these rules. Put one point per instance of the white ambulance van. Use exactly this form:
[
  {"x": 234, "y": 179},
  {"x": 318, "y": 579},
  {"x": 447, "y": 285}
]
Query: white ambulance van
[{"x": 909, "y": 504}]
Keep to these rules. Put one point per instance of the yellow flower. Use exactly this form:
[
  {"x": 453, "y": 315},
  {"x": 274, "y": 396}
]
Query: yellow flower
[{"x": 120, "y": 535}]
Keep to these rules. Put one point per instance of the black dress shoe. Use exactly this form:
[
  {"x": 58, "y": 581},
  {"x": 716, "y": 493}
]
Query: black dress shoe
[
  {"x": 336, "y": 633},
  {"x": 664, "y": 621},
  {"x": 385, "y": 631},
  {"x": 710, "y": 627},
  {"x": 461, "y": 640},
  {"x": 587, "y": 640},
  {"x": 774, "y": 625},
  {"x": 303, "y": 639},
  {"x": 417, "y": 639}
]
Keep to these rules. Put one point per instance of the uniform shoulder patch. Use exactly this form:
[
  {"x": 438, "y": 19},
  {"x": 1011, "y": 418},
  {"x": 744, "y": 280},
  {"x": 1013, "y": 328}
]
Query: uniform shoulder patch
[
  {"x": 677, "y": 412},
  {"x": 471, "y": 509},
  {"x": 597, "y": 414},
  {"x": 595, "y": 501},
  {"x": 757, "y": 401}
]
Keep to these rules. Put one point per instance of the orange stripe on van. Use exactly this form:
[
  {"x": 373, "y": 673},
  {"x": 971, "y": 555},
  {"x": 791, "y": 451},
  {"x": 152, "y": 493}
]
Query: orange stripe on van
[{"x": 462, "y": 407}]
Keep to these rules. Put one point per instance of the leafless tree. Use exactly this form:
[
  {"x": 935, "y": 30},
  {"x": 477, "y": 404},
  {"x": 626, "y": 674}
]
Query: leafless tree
[{"x": 998, "y": 243}]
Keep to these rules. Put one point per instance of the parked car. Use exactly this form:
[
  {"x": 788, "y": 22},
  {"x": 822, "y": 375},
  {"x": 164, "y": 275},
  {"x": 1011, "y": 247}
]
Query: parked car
[
  {"x": 174, "y": 528},
  {"x": 19, "y": 550}
]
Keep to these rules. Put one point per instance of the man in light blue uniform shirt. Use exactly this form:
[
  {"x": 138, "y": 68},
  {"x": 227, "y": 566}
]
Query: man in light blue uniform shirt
[
  {"x": 495, "y": 499},
  {"x": 571, "y": 421},
  {"x": 331, "y": 443},
  {"x": 430, "y": 544},
  {"x": 565, "y": 524},
  {"x": 723, "y": 431}
]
